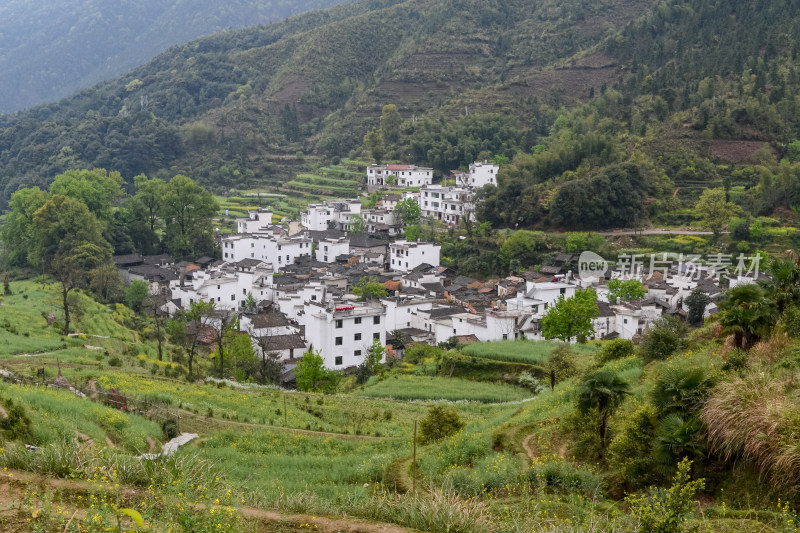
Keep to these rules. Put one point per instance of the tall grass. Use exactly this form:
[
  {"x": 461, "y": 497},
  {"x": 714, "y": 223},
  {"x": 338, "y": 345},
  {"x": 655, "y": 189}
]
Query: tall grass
[
  {"x": 436, "y": 388},
  {"x": 522, "y": 351}
]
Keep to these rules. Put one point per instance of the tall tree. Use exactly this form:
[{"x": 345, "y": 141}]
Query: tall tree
[
  {"x": 715, "y": 211},
  {"x": 407, "y": 212},
  {"x": 625, "y": 290},
  {"x": 390, "y": 123},
  {"x": 188, "y": 210},
  {"x": 189, "y": 327},
  {"x": 18, "y": 231},
  {"x": 97, "y": 189},
  {"x": 571, "y": 317},
  {"x": 143, "y": 212},
  {"x": 373, "y": 141}
]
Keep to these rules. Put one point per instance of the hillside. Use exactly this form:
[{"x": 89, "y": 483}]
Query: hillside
[
  {"x": 49, "y": 50},
  {"x": 591, "y": 85}
]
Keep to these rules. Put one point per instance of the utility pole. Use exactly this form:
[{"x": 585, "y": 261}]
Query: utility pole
[{"x": 414, "y": 461}]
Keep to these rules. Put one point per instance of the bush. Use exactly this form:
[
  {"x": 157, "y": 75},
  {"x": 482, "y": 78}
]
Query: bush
[
  {"x": 791, "y": 322},
  {"x": 615, "y": 349},
  {"x": 666, "y": 336},
  {"x": 115, "y": 361},
  {"x": 562, "y": 360},
  {"x": 630, "y": 454},
  {"x": 440, "y": 422},
  {"x": 17, "y": 423},
  {"x": 170, "y": 428},
  {"x": 557, "y": 472}
]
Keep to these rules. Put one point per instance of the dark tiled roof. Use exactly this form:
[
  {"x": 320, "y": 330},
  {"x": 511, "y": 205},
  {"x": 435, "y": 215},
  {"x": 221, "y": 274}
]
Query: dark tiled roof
[
  {"x": 270, "y": 320},
  {"x": 284, "y": 342},
  {"x": 129, "y": 259}
]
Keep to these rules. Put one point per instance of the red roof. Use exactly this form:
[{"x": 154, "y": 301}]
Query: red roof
[{"x": 396, "y": 167}]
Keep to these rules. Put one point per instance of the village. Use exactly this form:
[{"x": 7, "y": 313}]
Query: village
[{"x": 291, "y": 288}]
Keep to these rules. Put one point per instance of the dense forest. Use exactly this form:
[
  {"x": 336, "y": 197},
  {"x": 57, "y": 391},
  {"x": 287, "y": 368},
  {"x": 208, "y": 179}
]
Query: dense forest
[
  {"x": 50, "y": 49},
  {"x": 610, "y": 114}
]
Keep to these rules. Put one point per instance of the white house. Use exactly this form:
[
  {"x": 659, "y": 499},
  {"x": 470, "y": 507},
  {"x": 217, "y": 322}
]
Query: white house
[
  {"x": 402, "y": 311},
  {"x": 406, "y": 255},
  {"x": 257, "y": 221},
  {"x": 538, "y": 297},
  {"x": 329, "y": 249},
  {"x": 343, "y": 331},
  {"x": 447, "y": 204},
  {"x": 276, "y": 249},
  {"x": 330, "y": 214},
  {"x": 401, "y": 175},
  {"x": 480, "y": 174}
]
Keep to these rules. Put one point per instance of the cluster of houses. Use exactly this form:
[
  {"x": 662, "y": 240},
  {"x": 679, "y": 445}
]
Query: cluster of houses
[{"x": 294, "y": 292}]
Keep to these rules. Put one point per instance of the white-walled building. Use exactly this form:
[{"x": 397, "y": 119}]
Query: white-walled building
[
  {"x": 401, "y": 175},
  {"x": 258, "y": 221},
  {"x": 447, "y": 204},
  {"x": 330, "y": 214},
  {"x": 329, "y": 249},
  {"x": 228, "y": 289},
  {"x": 407, "y": 255},
  {"x": 402, "y": 312},
  {"x": 480, "y": 174},
  {"x": 276, "y": 249},
  {"x": 343, "y": 331},
  {"x": 538, "y": 297}
]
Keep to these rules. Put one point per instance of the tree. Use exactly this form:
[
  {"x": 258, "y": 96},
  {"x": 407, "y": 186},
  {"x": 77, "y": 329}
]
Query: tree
[
  {"x": 143, "y": 212},
  {"x": 106, "y": 283},
  {"x": 697, "y": 302},
  {"x": 625, "y": 290},
  {"x": 136, "y": 295},
  {"x": 96, "y": 188},
  {"x": 413, "y": 232},
  {"x": 189, "y": 328},
  {"x": 439, "y": 423},
  {"x": 784, "y": 283},
  {"x": 357, "y": 224},
  {"x": 519, "y": 250},
  {"x": 715, "y": 210},
  {"x": 602, "y": 391},
  {"x": 17, "y": 231},
  {"x": 369, "y": 289},
  {"x": 373, "y": 141},
  {"x": 188, "y": 210},
  {"x": 390, "y": 123},
  {"x": 665, "y": 336},
  {"x": 311, "y": 372},
  {"x": 221, "y": 324},
  {"x": 407, "y": 212},
  {"x": 69, "y": 244},
  {"x": 571, "y": 317}
]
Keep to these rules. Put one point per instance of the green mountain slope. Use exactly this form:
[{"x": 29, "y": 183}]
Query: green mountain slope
[
  {"x": 469, "y": 77},
  {"x": 50, "y": 49}
]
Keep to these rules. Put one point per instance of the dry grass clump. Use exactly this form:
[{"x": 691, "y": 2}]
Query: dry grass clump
[
  {"x": 771, "y": 350},
  {"x": 754, "y": 418}
]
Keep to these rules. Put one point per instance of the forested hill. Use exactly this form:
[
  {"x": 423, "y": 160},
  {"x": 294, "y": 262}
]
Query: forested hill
[
  {"x": 469, "y": 77},
  {"x": 50, "y": 49}
]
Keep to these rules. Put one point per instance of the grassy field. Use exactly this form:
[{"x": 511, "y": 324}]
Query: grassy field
[
  {"x": 522, "y": 351},
  {"x": 438, "y": 388}
]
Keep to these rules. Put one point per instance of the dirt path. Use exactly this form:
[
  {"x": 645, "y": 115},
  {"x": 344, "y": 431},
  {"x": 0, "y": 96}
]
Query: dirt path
[
  {"x": 12, "y": 483},
  {"x": 530, "y": 450},
  {"x": 151, "y": 443}
]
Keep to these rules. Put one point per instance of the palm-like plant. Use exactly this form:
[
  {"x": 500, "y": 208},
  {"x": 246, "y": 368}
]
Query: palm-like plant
[
  {"x": 748, "y": 313},
  {"x": 681, "y": 390},
  {"x": 784, "y": 283},
  {"x": 603, "y": 391},
  {"x": 679, "y": 438}
]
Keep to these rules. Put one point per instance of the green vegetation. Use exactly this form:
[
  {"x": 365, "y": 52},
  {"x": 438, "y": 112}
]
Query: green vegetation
[
  {"x": 435, "y": 388},
  {"x": 521, "y": 351}
]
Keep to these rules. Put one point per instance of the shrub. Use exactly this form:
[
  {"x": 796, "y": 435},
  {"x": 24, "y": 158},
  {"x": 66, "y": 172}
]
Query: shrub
[
  {"x": 562, "y": 361},
  {"x": 557, "y": 472},
  {"x": 615, "y": 349},
  {"x": 630, "y": 454},
  {"x": 666, "y": 511},
  {"x": 440, "y": 422},
  {"x": 666, "y": 336},
  {"x": 115, "y": 361},
  {"x": 16, "y": 423},
  {"x": 170, "y": 428}
]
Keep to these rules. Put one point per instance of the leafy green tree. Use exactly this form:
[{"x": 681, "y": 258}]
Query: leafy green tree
[
  {"x": 17, "y": 231},
  {"x": 375, "y": 354},
  {"x": 240, "y": 355},
  {"x": 697, "y": 302},
  {"x": 311, "y": 373},
  {"x": 783, "y": 285},
  {"x": 520, "y": 249},
  {"x": 373, "y": 141},
  {"x": 390, "y": 123},
  {"x": 440, "y": 422},
  {"x": 413, "y": 232},
  {"x": 136, "y": 295},
  {"x": 357, "y": 224},
  {"x": 714, "y": 210},
  {"x": 369, "y": 289},
  {"x": 625, "y": 290},
  {"x": 188, "y": 210},
  {"x": 144, "y": 211},
  {"x": 68, "y": 242},
  {"x": 97, "y": 188},
  {"x": 249, "y": 305},
  {"x": 665, "y": 336},
  {"x": 407, "y": 212},
  {"x": 604, "y": 392},
  {"x": 571, "y": 317}
]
